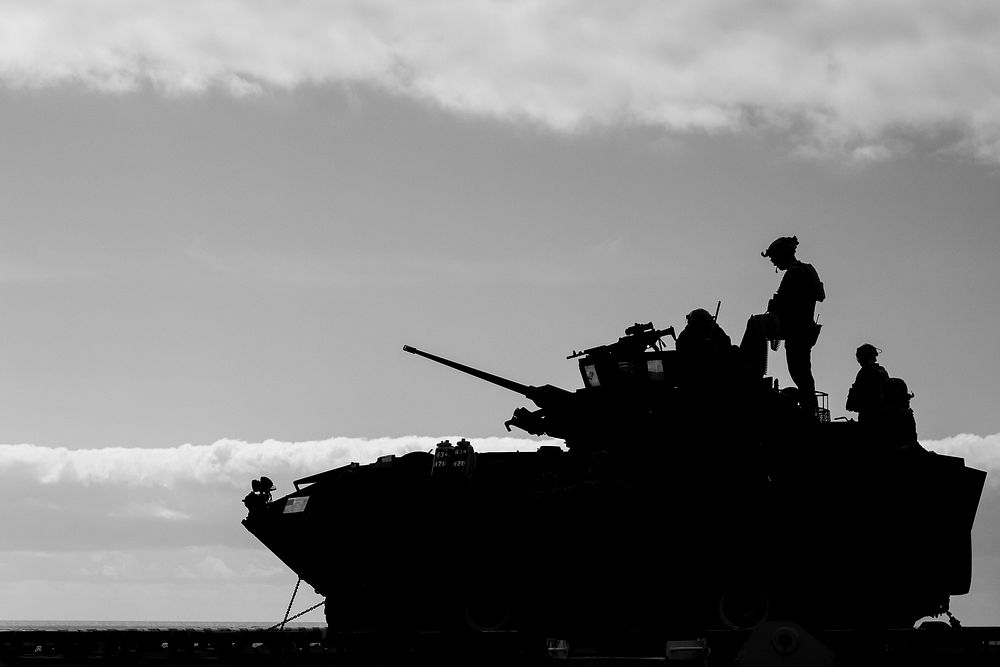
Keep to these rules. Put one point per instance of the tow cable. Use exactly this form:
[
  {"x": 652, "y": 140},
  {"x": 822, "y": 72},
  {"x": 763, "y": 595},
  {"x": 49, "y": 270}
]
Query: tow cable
[{"x": 281, "y": 625}]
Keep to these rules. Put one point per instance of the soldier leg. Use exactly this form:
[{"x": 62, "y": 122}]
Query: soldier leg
[{"x": 799, "y": 357}]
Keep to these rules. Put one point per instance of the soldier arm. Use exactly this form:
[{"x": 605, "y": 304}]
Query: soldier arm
[
  {"x": 851, "y": 398},
  {"x": 820, "y": 290},
  {"x": 852, "y": 393}
]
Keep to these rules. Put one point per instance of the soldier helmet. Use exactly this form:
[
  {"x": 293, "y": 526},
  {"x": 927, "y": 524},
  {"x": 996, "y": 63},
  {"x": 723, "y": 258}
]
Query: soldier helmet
[
  {"x": 895, "y": 389},
  {"x": 699, "y": 316},
  {"x": 262, "y": 485},
  {"x": 867, "y": 351},
  {"x": 785, "y": 245}
]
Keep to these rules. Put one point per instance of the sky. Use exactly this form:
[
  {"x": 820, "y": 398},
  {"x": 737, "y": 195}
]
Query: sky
[{"x": 220, "y": 222}]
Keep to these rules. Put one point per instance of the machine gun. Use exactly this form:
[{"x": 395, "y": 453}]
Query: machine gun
[{"x": 637, "y": 339}]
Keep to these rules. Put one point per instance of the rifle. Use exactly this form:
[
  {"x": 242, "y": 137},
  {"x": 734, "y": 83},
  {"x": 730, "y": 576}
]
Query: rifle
[{"x": 637, "y": 339}]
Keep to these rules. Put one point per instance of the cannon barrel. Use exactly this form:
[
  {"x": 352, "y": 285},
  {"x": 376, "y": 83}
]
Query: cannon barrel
[
  {"x": 540, "y": 395},
  {"x": 522, "y": 389}
]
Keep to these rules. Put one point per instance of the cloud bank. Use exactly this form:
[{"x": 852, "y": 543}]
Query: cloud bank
[
  {"x": 231, "y": 463},
  {"x": 856, "y": 79},
  {"x": 981, "y": 452},
  {"x": 120, "y": 498}
]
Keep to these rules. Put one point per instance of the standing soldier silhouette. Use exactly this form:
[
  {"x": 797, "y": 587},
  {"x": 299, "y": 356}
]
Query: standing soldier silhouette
[
  {"x": 794, "y": 306},
  {"x": 865, "y": 396}
]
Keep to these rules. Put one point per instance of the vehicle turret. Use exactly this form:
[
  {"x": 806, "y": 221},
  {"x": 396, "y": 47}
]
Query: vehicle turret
[{"x": 619, "y": 378}]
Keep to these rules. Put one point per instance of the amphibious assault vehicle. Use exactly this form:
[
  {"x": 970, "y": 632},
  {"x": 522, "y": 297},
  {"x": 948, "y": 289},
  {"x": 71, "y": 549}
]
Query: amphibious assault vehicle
[{"x": 689, "y": 495}]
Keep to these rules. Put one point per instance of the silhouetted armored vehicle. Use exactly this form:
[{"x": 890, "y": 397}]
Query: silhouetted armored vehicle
[{"x": 690, "y": 495}]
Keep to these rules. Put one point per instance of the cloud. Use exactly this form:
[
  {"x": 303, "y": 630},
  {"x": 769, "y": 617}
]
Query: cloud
[
  {"x": 837, "y": 76},
  {"x": 231, "y": 463},
  {"x": 58, "y": 499},
  {"x": 149, "y": 510},
  {"x": 871, "y": 153},
  {"x": 981, "y": 452},
  {"x": 119, "y": 498}
]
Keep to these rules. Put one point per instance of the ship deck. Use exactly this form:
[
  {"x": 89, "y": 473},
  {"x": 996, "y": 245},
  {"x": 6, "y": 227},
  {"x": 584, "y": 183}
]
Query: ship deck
[{"x": 772, "y": 643}]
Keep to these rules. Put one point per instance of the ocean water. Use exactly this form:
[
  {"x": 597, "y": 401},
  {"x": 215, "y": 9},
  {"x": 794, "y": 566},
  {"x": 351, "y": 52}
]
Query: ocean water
[{"x": 7, "y": 626}]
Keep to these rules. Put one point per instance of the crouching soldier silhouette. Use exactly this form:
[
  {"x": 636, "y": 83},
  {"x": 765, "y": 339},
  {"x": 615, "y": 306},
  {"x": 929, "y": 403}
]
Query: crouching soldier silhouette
[
  {"x": 893, "y": 423},
  {"x": 705, "y": 353},
  {"x": 865, "y": 395},
  {"x": 703, "y": 340},
  {"x": 702, "y": 335},
  {"x": 791, "y": 316}
]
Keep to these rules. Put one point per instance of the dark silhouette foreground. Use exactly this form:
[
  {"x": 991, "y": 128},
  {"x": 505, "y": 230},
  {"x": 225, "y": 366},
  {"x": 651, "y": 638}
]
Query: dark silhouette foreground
[{"x": 691, "y": 495}]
